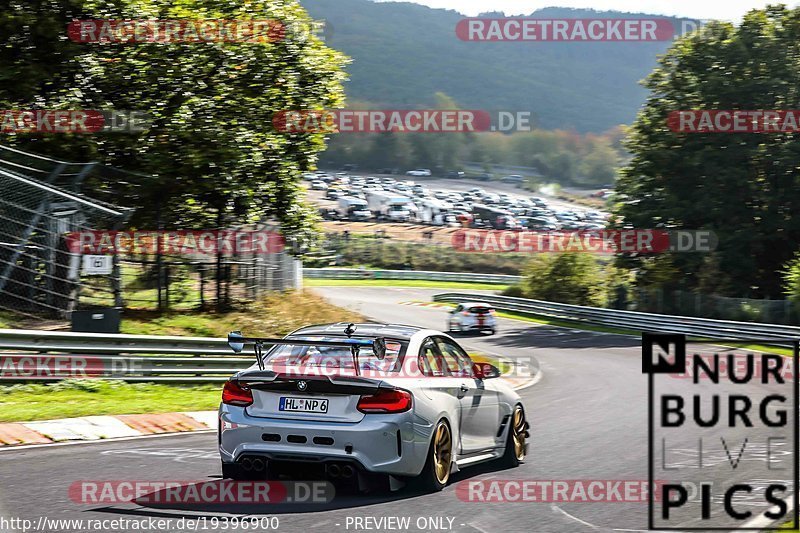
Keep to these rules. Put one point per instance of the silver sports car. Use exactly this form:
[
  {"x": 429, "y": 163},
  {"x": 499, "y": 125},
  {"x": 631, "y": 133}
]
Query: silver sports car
[{"x": 358, "y": 401}]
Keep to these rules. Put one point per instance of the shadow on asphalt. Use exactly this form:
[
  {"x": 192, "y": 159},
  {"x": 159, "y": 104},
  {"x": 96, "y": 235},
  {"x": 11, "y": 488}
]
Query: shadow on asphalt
[{"x": 342, "y": 500}]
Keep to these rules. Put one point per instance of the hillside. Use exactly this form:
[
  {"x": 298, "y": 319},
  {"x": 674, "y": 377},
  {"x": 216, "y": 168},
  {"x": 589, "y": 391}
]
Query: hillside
[{"x": 403, "y": 53}]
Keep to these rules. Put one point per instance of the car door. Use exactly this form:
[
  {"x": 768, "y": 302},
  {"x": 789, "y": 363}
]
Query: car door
[
  {"x": 437, "y": 384},
  {"x": 479, "y": 405}
]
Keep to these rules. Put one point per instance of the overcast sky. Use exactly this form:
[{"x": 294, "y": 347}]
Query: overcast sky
[{"x": 704, "y": 9}]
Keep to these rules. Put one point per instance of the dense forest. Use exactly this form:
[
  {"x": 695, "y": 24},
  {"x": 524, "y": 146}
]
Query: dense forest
[{"x": 403, "y": 54}]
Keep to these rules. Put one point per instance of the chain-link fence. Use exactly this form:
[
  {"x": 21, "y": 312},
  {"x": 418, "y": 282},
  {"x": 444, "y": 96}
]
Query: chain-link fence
[
  {"x": 62, "y": 250},
  {"x": 39, "y": 206},
  {"x": 153, "y": 281}
]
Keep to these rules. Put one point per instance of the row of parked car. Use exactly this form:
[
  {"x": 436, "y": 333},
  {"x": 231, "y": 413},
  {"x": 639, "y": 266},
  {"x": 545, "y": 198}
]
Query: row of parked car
[{"x": 372, "y": 198}]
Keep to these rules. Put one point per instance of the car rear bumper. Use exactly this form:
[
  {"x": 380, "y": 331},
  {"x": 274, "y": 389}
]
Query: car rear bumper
[
  {"x": 385, "y": 443},
  {"x": 474, "y": 326}
]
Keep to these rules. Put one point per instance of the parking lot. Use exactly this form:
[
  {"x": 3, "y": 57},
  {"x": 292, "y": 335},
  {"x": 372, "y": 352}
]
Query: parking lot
[{"x": 443, "y": 202}]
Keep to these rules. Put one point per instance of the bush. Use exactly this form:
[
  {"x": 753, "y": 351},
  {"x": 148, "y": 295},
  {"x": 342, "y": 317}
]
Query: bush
[
  {"x": 791, "y": 279},
  {"x": 383, "y": 254},
  {"x": 570, "y": 278},
  {"x": 515, "y": 291}
]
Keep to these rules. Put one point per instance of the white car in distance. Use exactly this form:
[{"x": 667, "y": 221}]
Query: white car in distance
[
  {"x": 419, "y": 173},
  {"x": 472, "y": 317}
]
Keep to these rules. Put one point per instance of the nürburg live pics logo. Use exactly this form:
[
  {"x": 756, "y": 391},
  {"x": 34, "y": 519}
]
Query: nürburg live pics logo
[{"x": 723, "y": 445}]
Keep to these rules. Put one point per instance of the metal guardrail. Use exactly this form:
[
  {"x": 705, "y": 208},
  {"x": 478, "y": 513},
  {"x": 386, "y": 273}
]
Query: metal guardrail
[
  {"x": 634, "y": 320},
  {"x": 33, "y": 355},
  {"x": 361, "y": 273}
]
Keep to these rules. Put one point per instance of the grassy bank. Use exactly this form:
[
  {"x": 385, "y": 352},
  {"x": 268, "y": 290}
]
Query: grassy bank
[{"x": 273, "y": 316}]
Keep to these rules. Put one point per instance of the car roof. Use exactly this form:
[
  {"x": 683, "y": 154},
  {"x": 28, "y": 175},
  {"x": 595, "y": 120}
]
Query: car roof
[{"x": 364, "y": 329}]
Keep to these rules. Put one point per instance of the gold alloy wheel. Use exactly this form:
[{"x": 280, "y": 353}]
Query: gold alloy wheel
[
  {"x": 442, "y": 452},
  {"x": 518, "y": 434}
]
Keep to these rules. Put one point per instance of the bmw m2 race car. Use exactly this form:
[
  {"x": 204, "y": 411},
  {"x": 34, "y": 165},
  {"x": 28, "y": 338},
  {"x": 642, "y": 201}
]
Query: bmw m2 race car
[{"x": 360, "y": 401}]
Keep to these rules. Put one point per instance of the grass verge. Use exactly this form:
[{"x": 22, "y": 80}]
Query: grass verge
[
  {"x": 6, "y": 320},
  {"x": 86, "y": 397},
  {"x": 402, "y": 283},
  {"x": 787, "y": 352},
  {"x": 555, "y": 322},
  {"x": 566, "y": 323}
]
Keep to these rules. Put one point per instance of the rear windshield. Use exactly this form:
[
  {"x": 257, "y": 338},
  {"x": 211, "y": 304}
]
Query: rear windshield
[
  {"x": 330, "y": 359},
  {"x": 480, "y": 309}
]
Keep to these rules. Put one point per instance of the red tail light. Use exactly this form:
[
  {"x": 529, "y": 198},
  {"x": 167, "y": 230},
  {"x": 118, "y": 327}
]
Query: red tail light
[
  {"x": 235, "y": 394},
  {"x": 390, "y": 401}
]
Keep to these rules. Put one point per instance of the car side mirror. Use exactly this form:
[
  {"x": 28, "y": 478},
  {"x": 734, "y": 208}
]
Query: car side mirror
[
  {"x": 485, "y": 371},
  {"x": 236, "y": 346}
]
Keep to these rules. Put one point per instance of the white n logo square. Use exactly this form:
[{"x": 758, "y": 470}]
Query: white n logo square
[{"x": 663, "y": 353}]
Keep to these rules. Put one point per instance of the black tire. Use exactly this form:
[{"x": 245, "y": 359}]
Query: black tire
[
  {"x": 428, "y": 480},
  {"x": 511, "y": 457}
]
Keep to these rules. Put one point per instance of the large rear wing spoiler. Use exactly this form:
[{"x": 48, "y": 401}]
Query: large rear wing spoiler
[{"x": 237, "y": 342}]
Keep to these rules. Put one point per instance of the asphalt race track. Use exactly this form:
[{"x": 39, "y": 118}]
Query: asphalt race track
[{"x": 588, "y": 416}]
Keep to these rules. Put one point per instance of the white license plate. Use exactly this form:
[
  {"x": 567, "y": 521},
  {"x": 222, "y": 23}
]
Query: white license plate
[{"x": 303, "y": 405}]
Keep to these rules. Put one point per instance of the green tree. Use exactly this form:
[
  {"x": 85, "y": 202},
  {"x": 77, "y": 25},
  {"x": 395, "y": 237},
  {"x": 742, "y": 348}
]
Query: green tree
[
  {"x": 211, "y": 146},
  {"x": 600, "y": 165},
  {"x": 742, "y": 186},
  {"x": 571, "y": 278}
]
